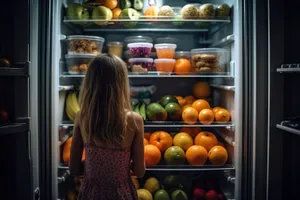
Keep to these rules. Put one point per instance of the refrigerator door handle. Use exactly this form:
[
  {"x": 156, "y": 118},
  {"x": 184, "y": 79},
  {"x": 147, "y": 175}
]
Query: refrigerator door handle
[{"x": 37, "y": 194}]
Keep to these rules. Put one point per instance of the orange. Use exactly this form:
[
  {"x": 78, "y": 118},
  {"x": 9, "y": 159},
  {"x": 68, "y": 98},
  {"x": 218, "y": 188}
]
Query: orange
[
  {"x": 185, "y": 106},
  {"x": 147, "y": 135},
  {"x": 161, "y": 139},
  {"x": 111, "y": 4},
  {"x": 145, "y": 141},
  {"x": 116, "y": 13},
  {"x": 182, "y": 66},
  {"x": 215, "y": 109},
  {"x": 181, "y": 101},
  {"x": 152, "y": 155},
  {"x": 196, "y": 155},
  {"x": 222, "y": 116},
  {"x": 189, "y": 99},
  {"x": 200, "y": 104},
  {"x": 178, "y": 97},
  {"x": 174, "y": 155},
  {"x": 183, "y": 140},
  {"x": 218, "y": 155},
  {"x": 66, "y": 150},
  {"x": 190, "y": 115},
  {"x": 151, "y": 12},
  {"x": 206, "y": 116},
  {"x": 191, "y": 131},
  {"x": 201, "y": 90},
  {"x": 206, "y": 139}
]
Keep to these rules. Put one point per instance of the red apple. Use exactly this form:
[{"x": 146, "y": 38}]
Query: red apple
[
  {"x": 211, "y": 195},
  {"x": 3, "y": 116},
  {"x": 221, "y": 196},
  {"x": 198, "y": 193}
]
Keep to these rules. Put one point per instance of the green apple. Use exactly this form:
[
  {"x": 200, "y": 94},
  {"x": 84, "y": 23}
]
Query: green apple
[
  {"x": 130, "y": 13},
  {"x": 76, "y": 11},
  {"x": 103, "y": 13}
]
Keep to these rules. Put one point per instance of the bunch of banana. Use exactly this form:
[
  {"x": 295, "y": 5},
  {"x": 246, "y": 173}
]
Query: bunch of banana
[
  {"x": 72, "y": 105},
  {"x": 140, "y": 108}
]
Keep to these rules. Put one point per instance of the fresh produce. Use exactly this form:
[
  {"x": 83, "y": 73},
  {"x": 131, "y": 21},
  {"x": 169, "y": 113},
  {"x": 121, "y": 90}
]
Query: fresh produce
[
  {"x": 206, "y": 11},
  {"x": 182, "y": 66},
  {"x": 174, "y": 156},
  {"x": 67, "y": 150},
  {"x": 192, "y": 131},
  {"x": 3, "y": 116},
  {"x": 152, "y": 155},
  {"x": 140, "y": 108},
  {"x": 198, "y": 193},
  {"x": 189, "y": 11},
  {"x": 129, "y": 13},
  {"x": 161, "y": 139},
  {"x": 72, "y": 195},
  {"x": 136, "y": 183},
  {"x": 102, "y": 13},
  {"x": 215, "y": 109},
  {"x": 196, "y": 155},
  {"x": 155, "y": 112},
  {"x": 201, "y": 90},
  {"x": 179, "y": 195},
  {"x": 211, "y": 195},
  {"x": 167, "y": 99},
  {"x": 206, "y": 139},
  {"x": 116, "y": 13},
  {"x": 138, "y": 4},
  {"x": 189, "y": 99},
  {"x": 146, "y": 141},
  {"x": 144, "y": 194},
  {"x": 111, "y": 4},
  {"x": 222, "y": 116},
  {"x": 125, "y": 4},
  {"x": 161, "y": 195},
  {"x": 218, "y": 155},
  {"x": 72, "y": 106},
  {"x": 76, "y": 11},
  {"x": 206, "y": 116},
  {"x": 147, "y": 135},
  {"x": 183, "y": 140},
  {"x": 223, "y": 10},
  {"x": 177, "y": 21},
  {"x": 4, "y": 62},
  {"x": 152, "y": 185},
  {"x": 175, "y": 181},
  {"x": 151, "y": 12},
  {"x": 166, "y": 11},
  {"x": 173, "y": 111},
  {"x": 200, "y": 104},
  {"x": 190, "y": 115}
]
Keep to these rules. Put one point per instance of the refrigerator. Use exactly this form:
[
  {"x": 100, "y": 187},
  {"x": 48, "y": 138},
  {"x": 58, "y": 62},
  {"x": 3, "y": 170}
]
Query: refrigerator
[{"x": 242, "y": 88}]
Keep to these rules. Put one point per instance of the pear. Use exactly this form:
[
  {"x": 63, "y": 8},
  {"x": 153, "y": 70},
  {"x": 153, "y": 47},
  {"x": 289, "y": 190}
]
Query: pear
[
  {"x": 102, "y": 13},
  {"x": 130, "y": 13}
]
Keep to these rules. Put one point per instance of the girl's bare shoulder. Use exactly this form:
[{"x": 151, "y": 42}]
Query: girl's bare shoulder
[{"x": 134, "y": 119}]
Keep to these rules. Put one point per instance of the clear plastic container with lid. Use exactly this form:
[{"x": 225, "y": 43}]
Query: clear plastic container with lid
[
  {"x": 165, "y": 65},
  {"x": 183, "y": 54},
  {"x": 80, "y": 44},
  {"x": 169, "y": 40},
  {"x": 139, "y": 38},
  {"x": 209, "y": 59},
  {"x": 78, "y": 64},
  {"x": 140, "y": 65},
  {"x": 115, "y": 48},
  {"x": 140, "y": 49},
  {"x": 165, "y": 50}
]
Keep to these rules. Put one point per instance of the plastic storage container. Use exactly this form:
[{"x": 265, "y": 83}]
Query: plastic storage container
[
  {"x": 115, "y": 48},
  {"x": 136, "y": 39},
  {"x": 79, "y": 44},
  {"x": 140, "y": 65},
  {"x": 209, "y": 59},
  {"x": 165, "y": 50},
  {"x": 78, "y": 63},
  {"x": 169, "y": 40},
  {"x": 140, "y": 50},
  {"x": 165, "y": 65},
  {"x": 183, "y": 54}
]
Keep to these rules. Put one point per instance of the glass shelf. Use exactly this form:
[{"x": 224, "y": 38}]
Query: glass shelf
[
  {"x": 146, "y": 24},
  {"x": 167, "y": 124},
  {"x": 67, "y": 75},
  {"x": 20, "y": 125},
  {"x": 177, "y": 168},
  {"x": 17, "y": 69}
]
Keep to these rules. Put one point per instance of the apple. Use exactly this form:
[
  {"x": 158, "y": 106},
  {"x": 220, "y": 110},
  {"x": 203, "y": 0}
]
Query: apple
[
  {"x": 221, "y": 196},
  {"x": 76, "y": 11},
  {"x": 199, "y": 193},
  {"x": 211, "y": 195},
  {"x": 129, "y": 13},
  {"x": 3, "y": 116},
  {"x": 103, "y": 13}
]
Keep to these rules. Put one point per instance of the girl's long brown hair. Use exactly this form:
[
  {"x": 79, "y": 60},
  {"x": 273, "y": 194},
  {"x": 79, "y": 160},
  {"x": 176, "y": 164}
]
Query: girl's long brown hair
[{"x": 104, "y": 99}]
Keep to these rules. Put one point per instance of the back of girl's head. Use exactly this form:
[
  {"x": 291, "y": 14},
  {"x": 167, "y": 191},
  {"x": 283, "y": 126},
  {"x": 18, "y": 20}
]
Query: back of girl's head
[{"x": 104, "y": 98}]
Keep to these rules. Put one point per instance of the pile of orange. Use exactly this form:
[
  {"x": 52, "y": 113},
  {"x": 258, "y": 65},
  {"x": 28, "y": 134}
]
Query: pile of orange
[{"x": 67, "y": 151}]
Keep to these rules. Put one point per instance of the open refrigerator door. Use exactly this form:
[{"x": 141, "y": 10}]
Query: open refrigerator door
[{"x": 185, "y": 69}]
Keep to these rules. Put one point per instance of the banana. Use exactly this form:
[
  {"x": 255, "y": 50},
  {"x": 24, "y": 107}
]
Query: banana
[
  {"x": 72, "y": 106},
  {"x": 137, "y": 108},
  {"x": 143, "y": 110}
]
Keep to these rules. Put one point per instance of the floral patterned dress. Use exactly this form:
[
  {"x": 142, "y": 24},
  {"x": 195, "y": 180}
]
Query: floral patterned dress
[{"x": 107, "y": 174}]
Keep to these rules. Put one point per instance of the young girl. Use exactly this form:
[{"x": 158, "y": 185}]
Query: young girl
[{"x": 110, "y": 132}]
